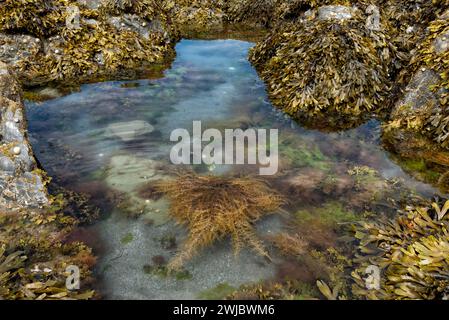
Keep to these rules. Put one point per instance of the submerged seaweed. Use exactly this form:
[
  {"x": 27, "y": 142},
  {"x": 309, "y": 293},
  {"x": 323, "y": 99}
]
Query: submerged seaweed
[{"x": 214, "y": 207}]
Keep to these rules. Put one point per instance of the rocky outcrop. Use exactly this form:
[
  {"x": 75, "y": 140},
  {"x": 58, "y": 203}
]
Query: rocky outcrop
[
  {"x": 419, "y": 119},
  {"x": 78, "y": 40},
  {"x": 21, "y": 184}
]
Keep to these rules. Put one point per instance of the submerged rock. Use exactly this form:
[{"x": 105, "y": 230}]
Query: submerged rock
[
  {"x": 128, "y": 131},
  {"x": 127, "y": 174}
]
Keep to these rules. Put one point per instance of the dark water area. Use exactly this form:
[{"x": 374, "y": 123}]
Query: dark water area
[{"x": 111, "y": 140}]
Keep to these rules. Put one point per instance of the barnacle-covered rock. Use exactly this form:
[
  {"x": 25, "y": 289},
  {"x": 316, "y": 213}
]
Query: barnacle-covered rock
[
  {"x": 34, "y": 253},
  {"x": 411, "y": 251},
  {"x": 331, "y": 63},
  {"x": 15, "y": 48}
]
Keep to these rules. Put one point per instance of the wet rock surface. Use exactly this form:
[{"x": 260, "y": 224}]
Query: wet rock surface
[
  {"x": 339, "y": 13},
  {"x": 20, "y": 183}
]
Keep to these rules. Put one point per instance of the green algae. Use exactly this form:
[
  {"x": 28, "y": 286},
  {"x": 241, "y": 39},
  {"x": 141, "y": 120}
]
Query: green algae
[
  {"x": 164, "y": 272},
  {"x": 128, "y": 238},
  {"x": 301, "y": 154},
  {"x": 219, "y": 292},
  {"x": 330, "y": 214}
]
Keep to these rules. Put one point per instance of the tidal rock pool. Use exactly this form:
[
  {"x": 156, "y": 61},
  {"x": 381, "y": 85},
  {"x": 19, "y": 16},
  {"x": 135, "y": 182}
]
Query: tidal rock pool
[{"x": 111, "y": 141}]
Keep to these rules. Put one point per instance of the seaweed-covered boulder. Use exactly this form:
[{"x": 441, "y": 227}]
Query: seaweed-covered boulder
[
  {"x": 79, "y": 40},
  {"x": 330, "y": 62}
]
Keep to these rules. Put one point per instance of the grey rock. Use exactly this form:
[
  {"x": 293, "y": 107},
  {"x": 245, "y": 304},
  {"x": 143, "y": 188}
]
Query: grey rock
[
  {"x": 419, "y": 97},
  {"x": 139, "y": 25},
  {"x": 335, "y": 12},
  {"x": 6, "y": 164},
  {"x": 91, "y": 4},
  {"x": 19, "y": 185},
  {"x": 72, "y": 17},
  {"x": 373, "y": 21},
  {"x": 90, "y": 22}
]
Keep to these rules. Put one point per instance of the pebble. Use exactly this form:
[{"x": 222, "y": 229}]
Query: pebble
[{"x": 16, "y": 150}]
